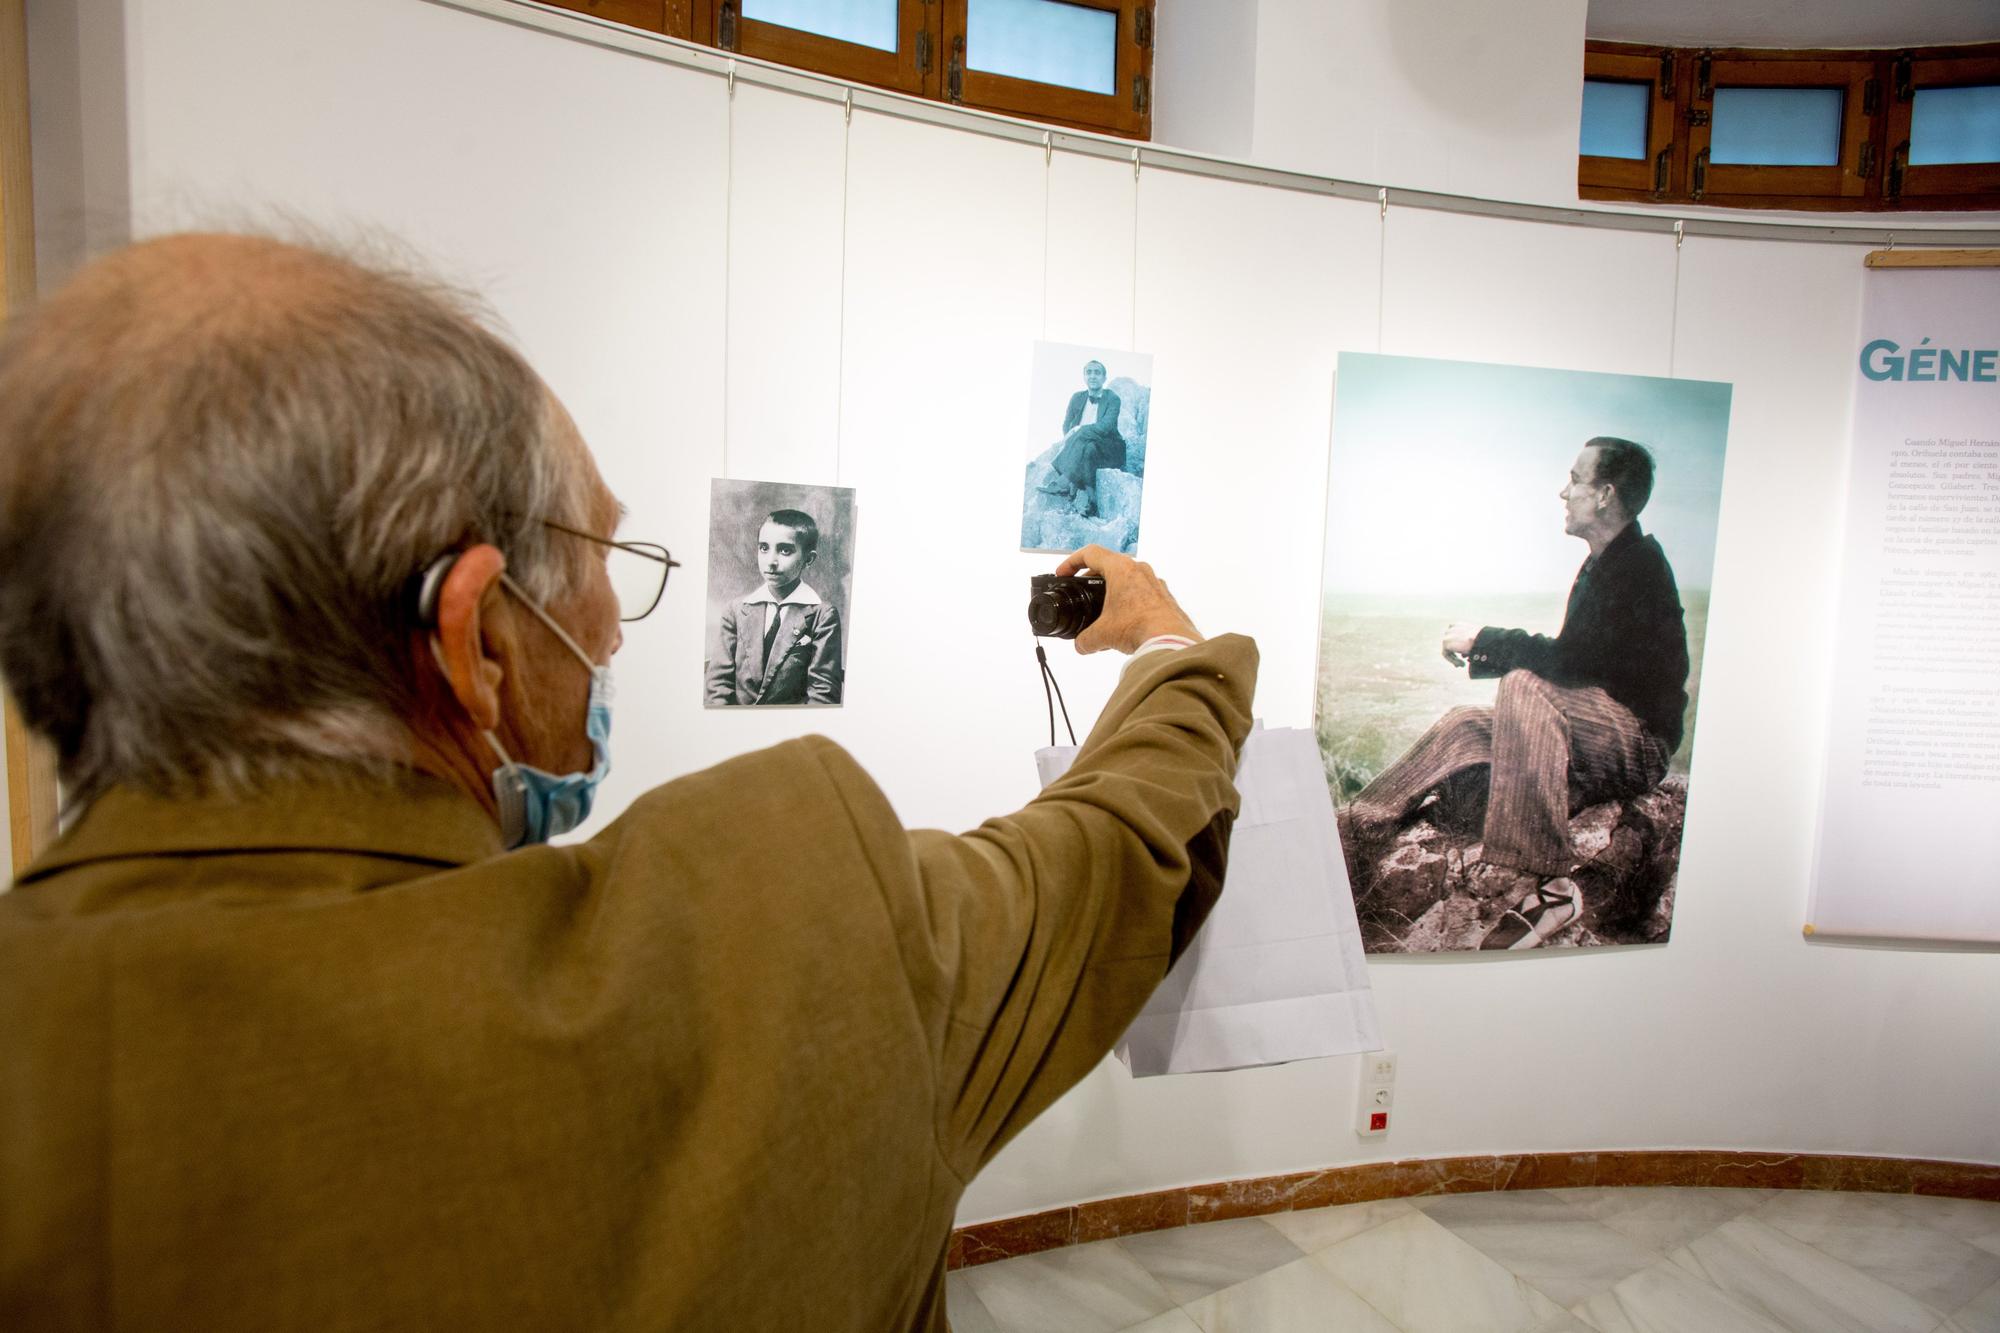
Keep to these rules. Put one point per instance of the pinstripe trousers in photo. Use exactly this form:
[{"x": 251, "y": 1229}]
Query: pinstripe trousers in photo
[{"x": 1551, "y": 749}]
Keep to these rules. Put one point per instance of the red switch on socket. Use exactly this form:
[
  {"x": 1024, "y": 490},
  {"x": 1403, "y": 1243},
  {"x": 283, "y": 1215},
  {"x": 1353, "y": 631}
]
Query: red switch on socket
[{"x": 1377, "y": 1121}]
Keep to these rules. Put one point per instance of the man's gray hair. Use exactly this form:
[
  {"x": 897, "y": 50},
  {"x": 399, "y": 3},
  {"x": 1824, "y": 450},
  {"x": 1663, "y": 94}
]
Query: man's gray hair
[{"x": 222, "y": 461}]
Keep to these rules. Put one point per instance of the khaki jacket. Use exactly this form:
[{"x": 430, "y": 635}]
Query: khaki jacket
[{"x": 328, "y": 1060}]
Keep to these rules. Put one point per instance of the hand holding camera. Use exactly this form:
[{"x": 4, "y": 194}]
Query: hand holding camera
[{"x": 1119, "y": 603}]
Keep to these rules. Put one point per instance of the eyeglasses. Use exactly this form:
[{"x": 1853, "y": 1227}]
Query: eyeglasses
[{"x": 638, "y": 571}]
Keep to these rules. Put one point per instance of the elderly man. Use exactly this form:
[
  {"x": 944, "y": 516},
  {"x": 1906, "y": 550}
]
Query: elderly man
[
  {"x": 1591, "y": 715},
  {"x": 306, "y": 580}
]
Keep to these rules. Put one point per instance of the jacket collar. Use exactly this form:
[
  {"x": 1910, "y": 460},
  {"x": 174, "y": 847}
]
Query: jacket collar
[{"x": 412, "y": 817}]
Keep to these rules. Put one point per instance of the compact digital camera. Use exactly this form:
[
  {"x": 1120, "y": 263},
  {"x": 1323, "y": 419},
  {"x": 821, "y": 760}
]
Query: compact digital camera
[{"x": 1062, "y": 607}]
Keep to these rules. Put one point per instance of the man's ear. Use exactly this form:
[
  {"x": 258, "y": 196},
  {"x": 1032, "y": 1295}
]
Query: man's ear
[{"x": 469, "y": 666}]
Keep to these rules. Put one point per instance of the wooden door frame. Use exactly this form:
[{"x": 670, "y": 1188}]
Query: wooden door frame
[{"x": 31, "y": 768}]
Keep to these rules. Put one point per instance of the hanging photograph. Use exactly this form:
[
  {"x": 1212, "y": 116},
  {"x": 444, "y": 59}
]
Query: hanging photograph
[
  {"x": 1516, "y": 589},
  {"x": 1087, "y": 414},
  {"x": 780, "y": 573}
]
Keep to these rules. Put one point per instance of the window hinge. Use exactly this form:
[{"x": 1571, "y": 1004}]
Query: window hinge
[
  {"x": 1871, "y": 97},
  {"x": 1700, "y": 174},
  {"x": 1900, "y": 72},
  {"x": 1661, "y": 165},
  {"x": 1667, "y": 77},
  {"x": 923, "y": 52},
  {"x": 1141, "y": 93},
  {"x": 1704, "y": 78},
  {"x": 1142, "y": 27},
  {"x": 1898, "y": 161},
  {"x": 954, "y": 77},
  {"x": 1867, "y": 167},
  {"x": 726, "y": 29}
]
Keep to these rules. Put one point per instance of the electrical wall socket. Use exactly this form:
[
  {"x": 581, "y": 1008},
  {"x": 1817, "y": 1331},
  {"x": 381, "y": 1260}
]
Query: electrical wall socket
[{"x": 1375, "y": 1094}]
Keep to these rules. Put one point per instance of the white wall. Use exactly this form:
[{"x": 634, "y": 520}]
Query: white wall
[
  {"x": 1205, "y": 75},
  {"x": 855, "y": 303},
  {"x": 1455, "y": 96}
]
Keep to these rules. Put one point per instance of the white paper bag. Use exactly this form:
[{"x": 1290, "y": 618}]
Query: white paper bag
[{"x": 1277, "y": 973}]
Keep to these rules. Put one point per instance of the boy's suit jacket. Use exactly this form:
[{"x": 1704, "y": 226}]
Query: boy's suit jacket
[{"x": 805, "y": 656}]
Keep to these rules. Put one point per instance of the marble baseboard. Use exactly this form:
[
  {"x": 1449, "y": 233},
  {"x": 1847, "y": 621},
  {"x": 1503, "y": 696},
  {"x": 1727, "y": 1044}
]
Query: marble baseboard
[{"x": 1132, "y": 1214}]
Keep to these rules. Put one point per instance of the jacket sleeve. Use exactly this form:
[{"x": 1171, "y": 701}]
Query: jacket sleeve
[
  {"x": 719, "y": 681},
  {"x": 823, "y": 672},
  {"x": 1495, "y": 652},
  {"x": 1073, "y": 414},
  {"x": 1032, "y": 942}
]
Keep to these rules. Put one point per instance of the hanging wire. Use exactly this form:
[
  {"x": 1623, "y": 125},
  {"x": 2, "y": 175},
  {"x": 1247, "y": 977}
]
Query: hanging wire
[
  {"x": 1048, "y": 189},
  {"x": 1132, "y": 337},
  {"x": 1674, "y": 315},
  {"x": 728, "y": 237},
  {"x": 840, "y": 346}
]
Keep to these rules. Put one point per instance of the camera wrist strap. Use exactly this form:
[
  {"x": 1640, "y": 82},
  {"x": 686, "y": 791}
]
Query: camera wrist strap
[{"x": 1048, "y": 684}]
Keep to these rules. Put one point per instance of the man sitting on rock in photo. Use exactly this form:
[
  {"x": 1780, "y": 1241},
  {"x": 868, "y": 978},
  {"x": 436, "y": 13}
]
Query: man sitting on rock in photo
[
  {"x": 1591, "y": 715},
  {"x": 1090, "y": 438}
]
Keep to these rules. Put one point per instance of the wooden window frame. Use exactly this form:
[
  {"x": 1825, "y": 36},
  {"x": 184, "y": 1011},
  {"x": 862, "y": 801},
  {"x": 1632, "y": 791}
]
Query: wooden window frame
[
  {"x": 914, "y": 67},
  {"x": 1651, "y": 174},
  {"x": 1844, "y": 180},
  {"x": 929, "y": 60},
  {"x": 1872, "y": 174},
  {"x": 670, "y": 17},
  {"x": 1125, "y": 111},
  {"x": 1956, "y": 179}
]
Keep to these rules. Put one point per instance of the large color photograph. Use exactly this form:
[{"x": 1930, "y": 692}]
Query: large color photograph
[{"x": 1518, "y": 570}]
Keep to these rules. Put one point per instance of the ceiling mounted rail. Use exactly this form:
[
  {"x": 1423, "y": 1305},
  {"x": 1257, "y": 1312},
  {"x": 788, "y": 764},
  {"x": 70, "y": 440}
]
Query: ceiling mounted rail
[{"x": 851, "y": 96}]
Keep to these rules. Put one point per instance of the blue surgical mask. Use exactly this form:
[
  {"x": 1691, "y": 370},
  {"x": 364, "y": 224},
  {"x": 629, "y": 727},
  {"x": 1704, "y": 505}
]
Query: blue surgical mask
[{"x": 536, "y": 805}]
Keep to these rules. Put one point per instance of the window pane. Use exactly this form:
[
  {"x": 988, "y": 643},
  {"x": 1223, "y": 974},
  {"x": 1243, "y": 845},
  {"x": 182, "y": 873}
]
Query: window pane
[
  {"x": 1614, "y": 118},
  {"x": 863, "y": 22},
  {"x": 1955, "y": 125},
  {"x": 1044, "y": 40},
  {"x": 1776, "y": 127}
]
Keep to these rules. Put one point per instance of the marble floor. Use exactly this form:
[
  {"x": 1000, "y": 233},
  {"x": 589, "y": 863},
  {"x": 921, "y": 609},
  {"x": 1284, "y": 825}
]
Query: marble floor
[{"x": 1524, "y": 1261}]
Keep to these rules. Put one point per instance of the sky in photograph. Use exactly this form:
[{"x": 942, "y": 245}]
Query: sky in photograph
[{"x": 1444, "y": 474}]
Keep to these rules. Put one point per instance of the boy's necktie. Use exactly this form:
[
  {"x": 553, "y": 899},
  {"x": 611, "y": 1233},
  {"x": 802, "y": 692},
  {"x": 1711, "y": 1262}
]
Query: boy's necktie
[{"x": 770, "y": 632}]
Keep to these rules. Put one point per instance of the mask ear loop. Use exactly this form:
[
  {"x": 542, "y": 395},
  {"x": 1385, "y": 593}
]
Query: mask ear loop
[
  {"x": 1048, "y": 682},
  {"x": 430, "y": 585},
  {"x": 547, "y": 619}
]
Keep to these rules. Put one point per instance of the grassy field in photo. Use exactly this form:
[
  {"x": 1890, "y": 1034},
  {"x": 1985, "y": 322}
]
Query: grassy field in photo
[{"x": 1383, "y": 681}]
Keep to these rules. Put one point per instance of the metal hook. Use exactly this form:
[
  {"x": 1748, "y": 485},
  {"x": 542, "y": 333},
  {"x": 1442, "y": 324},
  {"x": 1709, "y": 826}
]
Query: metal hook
[
  {"x": 1680, "y": 233},
  {"x": 1892, "y": 240},
  {"x": 1048, "y": 148},
  {"x": 1382, "y": 198},
  {"x": 847, "y": 107},
  {"x": 730, "y": 75},
  {"x": 1135, "y": 164}
]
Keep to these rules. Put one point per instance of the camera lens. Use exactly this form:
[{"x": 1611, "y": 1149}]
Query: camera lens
[{"x": 1049, "y": 613}]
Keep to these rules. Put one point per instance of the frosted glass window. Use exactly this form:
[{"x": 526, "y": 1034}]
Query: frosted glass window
[
  {"x": 1048, "y": 41},
  {"x": 1776, "y": 127},
  {"x": 863, "y": 22},
  {"x": 1955, "y": 125},
  {"x": 1614, "y": 118}
]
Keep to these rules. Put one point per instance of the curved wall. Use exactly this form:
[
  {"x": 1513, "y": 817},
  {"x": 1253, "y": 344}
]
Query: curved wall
[{"x": 753, "y": 286}]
